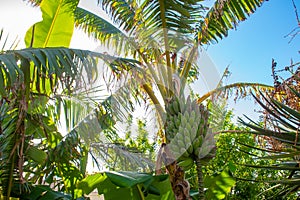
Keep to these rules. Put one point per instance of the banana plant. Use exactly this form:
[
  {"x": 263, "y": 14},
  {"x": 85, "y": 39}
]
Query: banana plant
[
  {"x": 163, "y": 38},
  {"x": 149, "y": 31}
]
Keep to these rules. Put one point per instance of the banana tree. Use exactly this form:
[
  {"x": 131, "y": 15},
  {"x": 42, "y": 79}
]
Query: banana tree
[{"x": 163, "y": 37}]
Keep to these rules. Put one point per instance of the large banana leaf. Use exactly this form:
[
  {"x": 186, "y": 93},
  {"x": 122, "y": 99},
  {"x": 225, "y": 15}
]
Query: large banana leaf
[
  {"x": 219, "y": 185},
  {"x": 43, "y": 192},
  {"x": 128, "y": 185},
  {"x": 56, "y": 28}
]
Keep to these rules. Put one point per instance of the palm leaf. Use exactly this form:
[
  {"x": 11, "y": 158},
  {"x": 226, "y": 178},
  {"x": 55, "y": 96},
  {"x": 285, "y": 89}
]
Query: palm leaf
[
  {"x": 287, "y": 119},
  {"x": 223, "y": 16},
  {"x": 12, "y": 45},
  {"x": 10, "y": 149},
  {"x": 274, "y": 167},
  {"x": 173, "y": 15},
  {"x": 239, "y": 90},
  {"x": 119, "y": 158},
  {"x": 121, "y": 12},
  {"x": 283, "y": 126},
  {"x": 99, "y": 28},
  {"x": 162, "y": 20},
  {"x": 34, "y": 2},
  {"x": 278, "y": 111},
  {"x": 287, "y": 137},
  {"x": 52, "y": 65}
]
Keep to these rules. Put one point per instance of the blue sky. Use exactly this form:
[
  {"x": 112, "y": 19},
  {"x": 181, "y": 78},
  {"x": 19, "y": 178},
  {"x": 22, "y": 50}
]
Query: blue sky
[{"x": 249, "y": 50}]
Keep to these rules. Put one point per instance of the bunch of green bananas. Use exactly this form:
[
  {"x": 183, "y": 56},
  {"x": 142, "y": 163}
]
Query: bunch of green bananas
[{"x": 186, "y": 131}]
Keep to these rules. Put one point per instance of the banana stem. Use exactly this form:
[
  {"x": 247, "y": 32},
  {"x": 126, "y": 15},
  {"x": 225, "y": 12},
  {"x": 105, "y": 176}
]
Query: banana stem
[{"x": 200, "y": 179}]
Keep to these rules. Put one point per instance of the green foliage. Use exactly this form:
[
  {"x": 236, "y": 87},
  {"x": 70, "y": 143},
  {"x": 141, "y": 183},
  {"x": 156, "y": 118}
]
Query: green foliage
[
  {"x": 56, "y": 28},
  {"x": 53, "y": 75},
  {"x": 42, "y": 192},
  {"x": 128, "y": 185},
  {"x": 141, "y": 141},
  {"x": 97, "y": 27},
  {"x": 236, "y": 150},
  {"x": 219, "y": 185},
  {"x": 37, "y": 84},
  {"x": 132, "y": 152}
]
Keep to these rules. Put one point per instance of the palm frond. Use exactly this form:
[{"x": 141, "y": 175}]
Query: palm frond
[
  {"x": 285, "y": 121},
  {"x": 98, "y": 28},
  {"x": 12, "y": 44},
  {"x": 50, "y": 66},
  {"x": 288, "y": 137},
  {"x": 173, "y": 15},
  {"x": 238, "y": 90},
  {"x": 119, "y": 158},
  {"x": 282, "y": 125},
  {"x": 223, "y": 16},
  {"x": 10, "y": 150},
  {"x": 284, "y": 132},
  {"x": 34, "y": 2},
  {"x": 122, "y": 12}
]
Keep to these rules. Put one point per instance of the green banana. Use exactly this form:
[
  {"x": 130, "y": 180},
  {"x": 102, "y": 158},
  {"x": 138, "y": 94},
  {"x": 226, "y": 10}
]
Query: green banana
[
  {"x": 178, "y": 121},
  {"x": 184, "y": 120},
  {"x": 181, "y": 144},
  {"x": 186, "y": 127},
  {"x": 176, "y": 106}
]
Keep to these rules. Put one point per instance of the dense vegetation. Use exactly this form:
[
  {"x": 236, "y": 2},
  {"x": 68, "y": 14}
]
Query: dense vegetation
[{"x": 61, "y": 109}]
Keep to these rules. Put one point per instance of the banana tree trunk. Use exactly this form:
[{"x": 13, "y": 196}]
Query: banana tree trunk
[
  {"x": 200, "y": 179},
  {"x": 180, "y": 186}
]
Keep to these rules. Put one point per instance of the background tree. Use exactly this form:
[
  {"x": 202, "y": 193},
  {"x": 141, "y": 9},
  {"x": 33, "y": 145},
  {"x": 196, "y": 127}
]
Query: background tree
[{"x": 279, "y": 132}]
